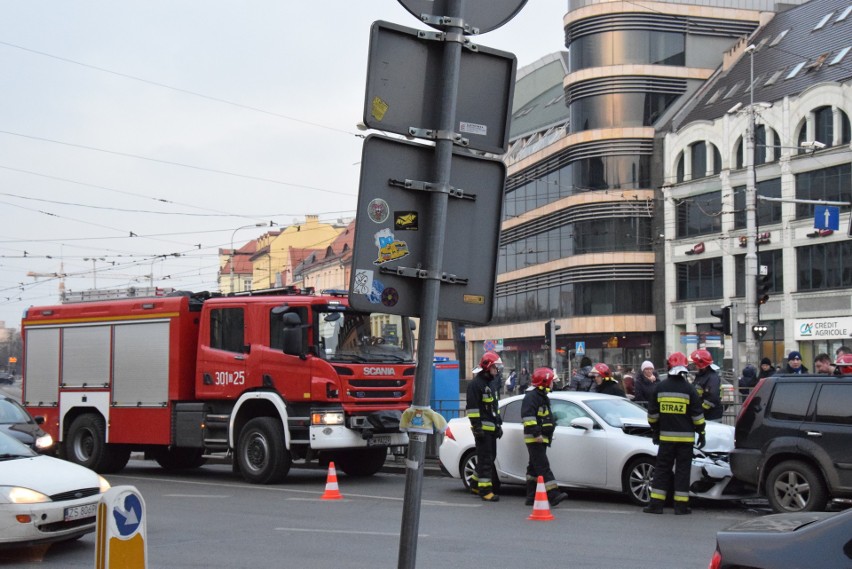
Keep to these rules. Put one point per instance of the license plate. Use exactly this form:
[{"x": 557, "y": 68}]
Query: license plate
[
  {"x": 77, "y": 512},
  {"x": 379, "y": 440}
]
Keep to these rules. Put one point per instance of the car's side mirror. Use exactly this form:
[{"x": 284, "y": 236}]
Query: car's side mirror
[{"x": 583, "y": 423}]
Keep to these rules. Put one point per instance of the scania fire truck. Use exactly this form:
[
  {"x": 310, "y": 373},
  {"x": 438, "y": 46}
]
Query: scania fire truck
[{"x": 265, "y": 378}]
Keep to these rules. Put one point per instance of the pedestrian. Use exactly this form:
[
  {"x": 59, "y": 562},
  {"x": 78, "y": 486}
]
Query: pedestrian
[
  {"x": 842, "y": 350},
  {"x": 748, "y": 379},
  {"x": 523, "y": 380},
  {"x": 644, "y": 383},
  {"x": 580, "y": 380},
  {"x": 675, "y": 415},
  {"x": 512, "y": 383},
  {"x": 484, "y": 415},
  {"x": 708, "y": 384},
  {"x": 766, "y": 369},
  {"x": 539, "y": 427},
  {"x": 604, "y": 382},
  {"x": 628, "y": 383},
  {"x": 794, "y": 363},
  {"x": 824, "y": 365}
]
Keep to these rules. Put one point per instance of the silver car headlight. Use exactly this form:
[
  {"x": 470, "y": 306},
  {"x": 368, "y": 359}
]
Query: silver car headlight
[{"x": 44, "y": 442}]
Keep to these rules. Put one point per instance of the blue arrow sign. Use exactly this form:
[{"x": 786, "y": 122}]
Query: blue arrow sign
[
  {"x": 580, "y": 348},
  {"x": 827, "y": 217},
  {"x": 127, "y": 520}
]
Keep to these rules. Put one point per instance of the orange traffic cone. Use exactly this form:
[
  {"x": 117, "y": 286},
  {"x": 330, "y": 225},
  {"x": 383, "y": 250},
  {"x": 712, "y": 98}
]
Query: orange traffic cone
[
  {"x": 331, "y": 490},
  {"x": 541, "y": 507}
]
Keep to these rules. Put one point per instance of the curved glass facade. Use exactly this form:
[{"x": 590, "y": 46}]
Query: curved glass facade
[
  {"x": 622, "y": 47},
  {"x": 618, "y": 110},
  {"x": 575, "y": 299},
  {"x": 603, "y": 173},
  {"x": 578, "y": 238}
]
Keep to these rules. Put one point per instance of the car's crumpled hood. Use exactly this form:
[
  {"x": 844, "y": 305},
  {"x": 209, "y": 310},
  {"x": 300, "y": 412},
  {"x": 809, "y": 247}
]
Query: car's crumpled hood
[{"x": 46, "y": 474}]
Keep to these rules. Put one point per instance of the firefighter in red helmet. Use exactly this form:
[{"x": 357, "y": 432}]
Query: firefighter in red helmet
[
  {"x": 604, "y": 382},
  {"x": 484, "y": 415},
  {"x": 843, "y": 364},
  {"x": 675, "y": 415},
  {"x": 708, "y": 385},
  {"x": 539, "y": 426}
]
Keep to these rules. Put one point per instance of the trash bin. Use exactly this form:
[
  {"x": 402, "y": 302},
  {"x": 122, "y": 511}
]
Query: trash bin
[{"x": 444, "y": 397}]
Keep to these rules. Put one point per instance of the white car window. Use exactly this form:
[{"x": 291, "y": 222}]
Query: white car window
[
  {"x": 615, "y": 410},
  {"x": 564, "y": 412}
]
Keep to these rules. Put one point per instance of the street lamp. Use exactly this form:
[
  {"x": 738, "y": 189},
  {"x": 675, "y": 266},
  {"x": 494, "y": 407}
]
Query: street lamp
[
  {"x": 94, "y": 270},
  {"x": 233, "y": 252},
  {"x": 751, "y": 223}
]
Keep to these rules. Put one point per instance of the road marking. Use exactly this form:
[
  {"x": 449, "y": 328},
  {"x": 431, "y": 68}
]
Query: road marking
[
  {"x": 197, "y": 496},
  {"x": 350, "y": 532}
]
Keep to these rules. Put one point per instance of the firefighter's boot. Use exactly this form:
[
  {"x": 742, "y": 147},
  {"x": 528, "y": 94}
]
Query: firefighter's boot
[
  {"x": 555, "y": 496},
  {"x": 531, "y": 486},
  {"x": 682, "y": 509},
  {"x": 490, "y": 497},
  {"x": 655, "y": 506}
]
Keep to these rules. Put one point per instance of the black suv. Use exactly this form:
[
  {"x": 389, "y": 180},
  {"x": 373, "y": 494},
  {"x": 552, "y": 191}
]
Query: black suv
[{"x": 793, "y": 441}]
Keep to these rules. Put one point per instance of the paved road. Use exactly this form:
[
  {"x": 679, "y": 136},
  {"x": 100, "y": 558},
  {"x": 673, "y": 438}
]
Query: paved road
[{"x": 209, "y": 518}]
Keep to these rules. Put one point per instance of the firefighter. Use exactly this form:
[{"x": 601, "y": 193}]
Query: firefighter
[
  {"x": 675, "y": 415},
  {"x": 484, "y": 415},
  {"x": 708, "y": 385},
  {"x": 604, "y": 382},
  {"x": 538, "y": 433},
  {"x": 843, "y": 365}
]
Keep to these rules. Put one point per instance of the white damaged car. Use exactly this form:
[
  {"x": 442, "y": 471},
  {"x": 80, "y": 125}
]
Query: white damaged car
[
  {"x": 44, "y": 499},
  {"x": 601, "y": 442}
]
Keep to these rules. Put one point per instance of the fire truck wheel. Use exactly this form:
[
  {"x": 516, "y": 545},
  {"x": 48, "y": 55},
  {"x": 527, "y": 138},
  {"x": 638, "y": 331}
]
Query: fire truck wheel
[
  {"x": 86, "y": 445},
  {"x": 362, "y": 463},
  {"x": 262, "y": 457}
]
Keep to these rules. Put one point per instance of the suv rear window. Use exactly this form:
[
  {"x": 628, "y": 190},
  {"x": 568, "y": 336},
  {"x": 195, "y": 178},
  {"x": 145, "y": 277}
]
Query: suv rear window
[
  {"x": 834, "y": 404},
  {"x": 790, "y": 401}
]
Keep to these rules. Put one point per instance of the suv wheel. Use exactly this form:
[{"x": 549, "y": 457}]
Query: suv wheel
[{"x": 794, "y": 486}]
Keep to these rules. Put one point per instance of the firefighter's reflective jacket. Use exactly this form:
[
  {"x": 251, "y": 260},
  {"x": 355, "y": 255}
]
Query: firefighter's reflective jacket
[
  {"x": 675, "y": 412},
  {"x": 536, "y": 416},
  {"x": 482, "y": 409}
]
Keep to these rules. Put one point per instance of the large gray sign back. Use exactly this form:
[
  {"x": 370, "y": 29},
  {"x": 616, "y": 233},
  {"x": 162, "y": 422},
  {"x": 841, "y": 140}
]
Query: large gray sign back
[
  {"x": 485, "y": 15},
  {"x": 402, "y": 91},
  {"x": 390, "y": 236}
]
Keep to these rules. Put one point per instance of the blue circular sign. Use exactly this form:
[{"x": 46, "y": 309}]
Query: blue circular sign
[{"x": 128, "y": 519}]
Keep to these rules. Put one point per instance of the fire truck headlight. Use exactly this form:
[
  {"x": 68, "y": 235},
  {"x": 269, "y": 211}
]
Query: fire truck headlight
[{"x": 327, "y": 418}]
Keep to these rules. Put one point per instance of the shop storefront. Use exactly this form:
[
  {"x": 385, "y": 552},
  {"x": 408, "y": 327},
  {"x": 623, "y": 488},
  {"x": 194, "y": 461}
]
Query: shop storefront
[{"x": 822, "y": 336}]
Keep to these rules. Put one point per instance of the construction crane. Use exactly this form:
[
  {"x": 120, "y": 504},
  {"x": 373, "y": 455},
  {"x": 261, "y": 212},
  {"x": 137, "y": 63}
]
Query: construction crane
[{"x": 60, "y": 275}]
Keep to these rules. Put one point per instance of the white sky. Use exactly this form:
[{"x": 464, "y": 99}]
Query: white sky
[{"x": 181, "y": 121}]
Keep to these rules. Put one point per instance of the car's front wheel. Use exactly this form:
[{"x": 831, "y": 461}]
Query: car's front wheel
[
  {"x": 467, "y": 467},
  {"x": 794, "y": 486},
  {"x": 636, "y": 479}
]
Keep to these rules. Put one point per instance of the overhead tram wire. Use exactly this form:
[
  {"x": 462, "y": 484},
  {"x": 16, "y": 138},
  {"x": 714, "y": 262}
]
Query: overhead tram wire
[
  {"x": 177, "y": 89},
  {"x": 172, "y": 163}
]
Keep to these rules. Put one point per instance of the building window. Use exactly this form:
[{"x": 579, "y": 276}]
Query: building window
[
  {"x": 627, "y": 47},
  {"x": 680, "y": 168},
  {"x": 827, "y": 184},
  {"x": 699, "y": 279},
  {"x": 444, "y": 330},
  {"x": 825, "y": 266},
  {"x": 699, "y": 215},
  {"x": 698, "y": 152},
  {"x": 767, "y": 212},
  {"x": 774, "y": 264}
]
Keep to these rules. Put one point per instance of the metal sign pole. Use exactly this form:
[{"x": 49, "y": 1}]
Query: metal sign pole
[{"x": 435, "y": 228}]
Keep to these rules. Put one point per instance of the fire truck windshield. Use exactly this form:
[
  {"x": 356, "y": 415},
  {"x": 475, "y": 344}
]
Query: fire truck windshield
[{"x": 358, "y": 336}]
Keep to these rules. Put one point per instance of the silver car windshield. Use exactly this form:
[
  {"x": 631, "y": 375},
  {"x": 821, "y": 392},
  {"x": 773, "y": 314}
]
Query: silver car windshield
[{"x": 360, "y": 337}]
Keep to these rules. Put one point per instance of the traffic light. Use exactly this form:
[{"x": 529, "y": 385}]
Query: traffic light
[
  {"x": 764, "y": 284},
  {"x": 724, "y": 316},
  {"x": 550, "y": 328}
]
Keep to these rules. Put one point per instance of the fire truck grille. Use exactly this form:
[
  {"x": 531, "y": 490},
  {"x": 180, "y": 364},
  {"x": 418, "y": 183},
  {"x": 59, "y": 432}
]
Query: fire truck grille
[{"x": 377, "y": 383}]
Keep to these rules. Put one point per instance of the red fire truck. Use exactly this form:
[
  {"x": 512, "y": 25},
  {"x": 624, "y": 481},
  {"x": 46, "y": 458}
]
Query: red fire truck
[{"x": 267, "y": 379}]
